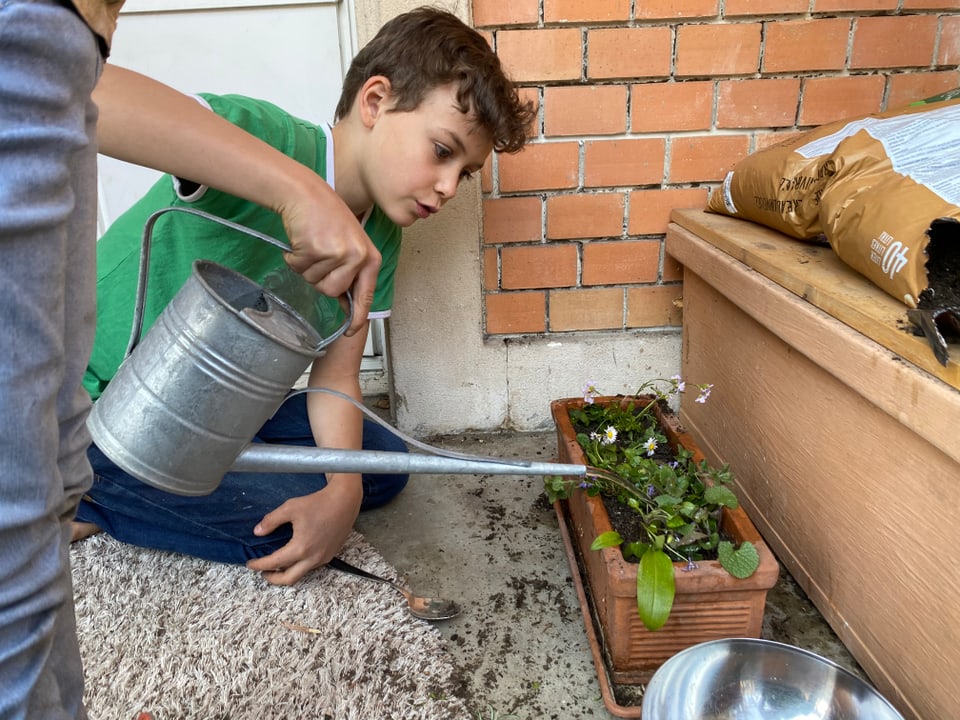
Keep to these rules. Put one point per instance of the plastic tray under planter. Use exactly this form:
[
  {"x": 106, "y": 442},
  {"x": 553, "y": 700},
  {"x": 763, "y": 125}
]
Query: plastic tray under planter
[{"x": 709, "y": 604}]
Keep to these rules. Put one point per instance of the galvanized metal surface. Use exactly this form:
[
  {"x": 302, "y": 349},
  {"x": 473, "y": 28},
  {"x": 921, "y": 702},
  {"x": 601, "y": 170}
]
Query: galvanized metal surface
[
  {"x": 206, "y": 377},
  {"x": 262, "y": 457}
]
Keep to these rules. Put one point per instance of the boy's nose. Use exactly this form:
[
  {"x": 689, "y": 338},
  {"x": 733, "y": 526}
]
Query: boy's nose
[{"x": 447, "y": 184}]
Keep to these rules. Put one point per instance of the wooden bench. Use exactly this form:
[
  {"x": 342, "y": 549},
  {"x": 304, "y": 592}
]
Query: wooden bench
[{"x": 844, "y": 433}]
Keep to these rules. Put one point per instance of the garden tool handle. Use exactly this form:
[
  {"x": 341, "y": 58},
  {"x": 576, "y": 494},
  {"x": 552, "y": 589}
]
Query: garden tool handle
[{"x": 137, "y": 327}]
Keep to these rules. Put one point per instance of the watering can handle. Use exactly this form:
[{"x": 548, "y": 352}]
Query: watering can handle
[{"x": 145, "y": 265}]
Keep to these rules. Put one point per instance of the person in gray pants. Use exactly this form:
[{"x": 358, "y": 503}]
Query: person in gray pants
[{"x": 51, "y": 56}]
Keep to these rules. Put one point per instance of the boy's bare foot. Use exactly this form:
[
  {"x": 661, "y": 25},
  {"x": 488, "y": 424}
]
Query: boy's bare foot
[{"x": 81, "y": 530}]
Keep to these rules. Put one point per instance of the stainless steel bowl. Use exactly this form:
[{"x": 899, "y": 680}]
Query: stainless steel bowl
[{"x": 750, "y": 679}]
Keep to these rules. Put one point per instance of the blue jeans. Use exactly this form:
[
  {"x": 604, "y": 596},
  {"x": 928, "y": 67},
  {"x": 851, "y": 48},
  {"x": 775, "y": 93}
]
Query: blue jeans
[
  {"x": 49, "y": 64},
  {"x": 219, "y": 526}
]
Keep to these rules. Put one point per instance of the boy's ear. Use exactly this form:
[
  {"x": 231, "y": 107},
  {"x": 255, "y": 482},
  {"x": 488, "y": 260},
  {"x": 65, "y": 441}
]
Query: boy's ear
[{"x": 374, "y": 99}]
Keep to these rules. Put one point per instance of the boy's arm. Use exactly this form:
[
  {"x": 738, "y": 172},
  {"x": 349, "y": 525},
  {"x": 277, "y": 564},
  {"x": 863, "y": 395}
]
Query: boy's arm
[
  {"x": 322, "y": 521},
  {"x": 148, "y": 123}
]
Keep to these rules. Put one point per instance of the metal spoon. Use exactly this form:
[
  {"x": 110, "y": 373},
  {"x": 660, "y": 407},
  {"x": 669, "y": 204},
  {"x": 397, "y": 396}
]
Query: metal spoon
[{"x": 424, "y": 608}]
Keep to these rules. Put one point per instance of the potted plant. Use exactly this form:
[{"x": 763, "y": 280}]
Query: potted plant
[{"x": 684, "y": 564}]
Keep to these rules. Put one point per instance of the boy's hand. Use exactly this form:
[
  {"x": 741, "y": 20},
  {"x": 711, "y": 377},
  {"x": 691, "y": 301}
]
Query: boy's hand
[
  {"x": 333, "y": 253},
  {"x": 321, "y": 523}
]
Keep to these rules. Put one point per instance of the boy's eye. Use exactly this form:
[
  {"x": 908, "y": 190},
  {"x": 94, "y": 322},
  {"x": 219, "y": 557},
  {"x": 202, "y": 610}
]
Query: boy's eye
[{"x": 441, "y": 151}]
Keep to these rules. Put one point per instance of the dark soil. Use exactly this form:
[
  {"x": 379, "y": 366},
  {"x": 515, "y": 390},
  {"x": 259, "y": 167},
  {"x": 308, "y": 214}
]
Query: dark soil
[
  {"x": 943, "y": 266},
  {"x": 624, "y": 520},
  {"x": 941, "y": 298}
]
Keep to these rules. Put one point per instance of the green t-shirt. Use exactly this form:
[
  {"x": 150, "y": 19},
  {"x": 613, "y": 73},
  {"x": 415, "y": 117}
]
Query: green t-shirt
[{"x": 178, "y": 239}]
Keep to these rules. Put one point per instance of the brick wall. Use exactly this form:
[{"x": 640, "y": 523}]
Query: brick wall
[{"x": 643, "y": 107}]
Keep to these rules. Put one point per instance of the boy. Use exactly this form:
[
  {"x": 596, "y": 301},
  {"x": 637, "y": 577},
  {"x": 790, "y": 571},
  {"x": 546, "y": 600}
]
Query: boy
[
  {"x": 423, "y": 105},
  {"x": 51, "y": 54}
]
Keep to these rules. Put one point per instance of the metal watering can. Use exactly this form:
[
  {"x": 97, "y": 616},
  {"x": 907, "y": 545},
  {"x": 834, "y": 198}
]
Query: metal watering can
[{"x": 187, "y": 400}]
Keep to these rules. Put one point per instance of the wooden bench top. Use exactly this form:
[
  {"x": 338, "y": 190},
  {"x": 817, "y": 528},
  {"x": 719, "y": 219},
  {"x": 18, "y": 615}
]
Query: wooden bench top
[{"x": 816, "y": 274}]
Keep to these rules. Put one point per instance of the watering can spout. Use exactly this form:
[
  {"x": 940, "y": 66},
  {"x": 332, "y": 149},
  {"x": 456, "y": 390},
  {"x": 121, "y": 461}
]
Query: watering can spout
[{"x": 261, "y": 457}]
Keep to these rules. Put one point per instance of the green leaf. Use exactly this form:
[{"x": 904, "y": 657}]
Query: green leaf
[
  {"x": 655, "y": 588},
  {"x": 721, "y": 495},
  {"x": 676, "y": 522},
  {"x": 740, "y": 563},
  {"x": 556, "y": 488},
  {"x": 611, "y": 538},
  {"x": 666, "y": 500},
  {"x": 634, "y": 550}
]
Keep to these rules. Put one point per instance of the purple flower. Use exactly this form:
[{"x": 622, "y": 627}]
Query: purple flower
[
  {"x": 590, "y": 392},
  {"x": 691, "y": 565},
  {"x": 704, "y": 393}
]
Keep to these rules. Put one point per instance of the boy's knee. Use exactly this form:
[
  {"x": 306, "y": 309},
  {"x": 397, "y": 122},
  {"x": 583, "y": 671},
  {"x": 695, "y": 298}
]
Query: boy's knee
[{"x": 378, "y": 490}]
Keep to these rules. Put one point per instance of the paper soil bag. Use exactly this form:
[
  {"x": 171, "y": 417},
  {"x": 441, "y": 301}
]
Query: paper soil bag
[
  {"x": 873, "y": 186},
  {"x": 778, "y": 187},
  {"x": 877, "y": 213}
]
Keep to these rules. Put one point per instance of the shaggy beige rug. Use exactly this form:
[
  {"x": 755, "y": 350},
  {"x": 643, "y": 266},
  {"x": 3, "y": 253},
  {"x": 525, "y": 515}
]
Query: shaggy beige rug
[{"x": 185, "y": 638}]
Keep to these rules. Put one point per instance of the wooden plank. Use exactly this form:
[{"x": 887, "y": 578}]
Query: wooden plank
[
  {"x": 911, "y": 396},
  {"x": 854, "y": 504},
  {"x": 816, "y": 274}
]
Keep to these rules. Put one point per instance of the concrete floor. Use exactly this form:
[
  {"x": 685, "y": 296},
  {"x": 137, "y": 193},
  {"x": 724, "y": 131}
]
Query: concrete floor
[{"x": 491, "y": 543}]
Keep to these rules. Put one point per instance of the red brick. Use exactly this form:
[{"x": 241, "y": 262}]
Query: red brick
[
  {"x": 948, "y": 53},
  {"x": 907, "y": 88},
  {"x": 705, "y": 158},
  {"x": 732, "y": 49},
  {"x": 894, "y": 41},
  {"x": 531, "y": 95},
  {"x": 517, "y": 312},
  {"x": 763, "y": 140},
  {"x": 540, "y": 166},
  {"x": 655, "y": 306},
  {"x": 541, "y": 55},
  {"x": 596, "y": 309},
  {"x": 672, "y": 270},
  {"x": 616, "y": 263},
  {"x": 512, "y": 219},
  {"x": 670, "y": 9},
  {"x": 585, "y": 215},
  {"x": 758, "y": 103},
  {"x": 629, "y": 52},
  {"x": 671, "y": 106},
  {"x": 496, "y": 12},
  {"x": 732, "y": 8},
  {"x": 609, "y": 163},
  {"x": 931, "y": 4},
  {"x": 524, "y": 267},
  {"x": 822, "y": 6},
  {"x": 804, "y": 45},
  {"x": 584, "y": 110},
  {"x": 650, "y": 209},
  {"x": 491, "y": 269},
  {"x": 837, "y": 98},
  {"x": 583, "y": 10}
]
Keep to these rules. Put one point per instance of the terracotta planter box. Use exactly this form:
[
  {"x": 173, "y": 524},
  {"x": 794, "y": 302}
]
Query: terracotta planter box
[{"x": 709, "y": 603}]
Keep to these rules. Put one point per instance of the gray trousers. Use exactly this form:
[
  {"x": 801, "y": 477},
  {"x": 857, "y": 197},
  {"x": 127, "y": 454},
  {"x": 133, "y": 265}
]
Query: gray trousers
[{"x": 49, "y": 63}]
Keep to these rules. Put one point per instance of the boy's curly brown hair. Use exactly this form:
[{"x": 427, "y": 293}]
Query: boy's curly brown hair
[{"x": 426, "y": 48}]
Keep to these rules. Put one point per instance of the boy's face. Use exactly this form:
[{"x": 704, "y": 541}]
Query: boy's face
[{"x": 419, "y": 158}]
